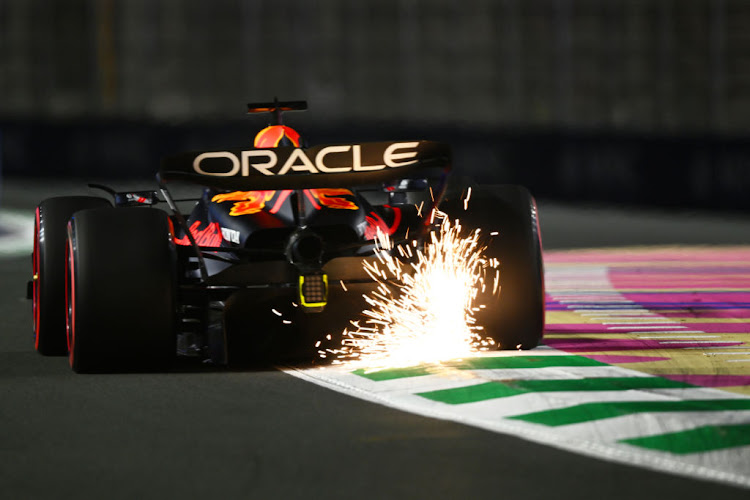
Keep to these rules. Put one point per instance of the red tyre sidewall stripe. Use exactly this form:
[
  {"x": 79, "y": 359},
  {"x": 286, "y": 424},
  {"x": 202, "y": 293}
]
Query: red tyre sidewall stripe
[
  {"x": 541, "y": 256},
  {"x": 35, "y": 283},
  {"x": 70, "y": 297}
]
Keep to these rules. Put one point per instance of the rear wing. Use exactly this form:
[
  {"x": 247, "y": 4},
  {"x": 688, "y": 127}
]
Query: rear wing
[{"x": 324, "y": 166}]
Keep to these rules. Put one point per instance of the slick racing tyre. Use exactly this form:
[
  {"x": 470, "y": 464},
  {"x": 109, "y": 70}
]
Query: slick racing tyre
[
  {"x": 120, "y": 290},
  {"x": 48, "y": 263},
  {"x": 514, "y": 317}
]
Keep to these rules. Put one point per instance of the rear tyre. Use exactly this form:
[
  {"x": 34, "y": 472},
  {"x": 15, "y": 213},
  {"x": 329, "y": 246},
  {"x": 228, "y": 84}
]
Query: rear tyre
[
  {"x": 48, "y": 264},
  {"x": 514, "y": 317},
  {"x": 121, "y": 290}
]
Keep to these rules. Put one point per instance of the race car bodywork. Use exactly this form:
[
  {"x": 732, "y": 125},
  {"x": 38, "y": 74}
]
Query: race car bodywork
[{"x": 267, "y": 263}]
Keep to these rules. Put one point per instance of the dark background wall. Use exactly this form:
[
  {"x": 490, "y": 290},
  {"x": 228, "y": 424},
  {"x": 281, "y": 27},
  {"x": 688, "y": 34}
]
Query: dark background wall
[{"x": 644, "y": 101}]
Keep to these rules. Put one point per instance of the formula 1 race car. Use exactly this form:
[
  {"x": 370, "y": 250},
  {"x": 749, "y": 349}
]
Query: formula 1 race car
[{"x": 268, "y": 262}]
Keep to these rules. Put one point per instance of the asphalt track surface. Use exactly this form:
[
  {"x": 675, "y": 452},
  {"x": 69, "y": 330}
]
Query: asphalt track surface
[{"x": 261, "y": 433}]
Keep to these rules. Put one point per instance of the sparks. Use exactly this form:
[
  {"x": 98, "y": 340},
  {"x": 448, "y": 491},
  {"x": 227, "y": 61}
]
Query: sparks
[
  {"x": 466, "y": 200},
  {"x": 422, "y": 309},
  {"x": 419, "y": 209}
]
